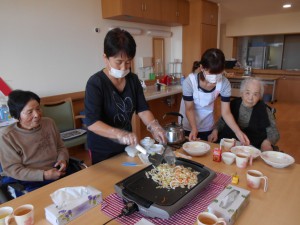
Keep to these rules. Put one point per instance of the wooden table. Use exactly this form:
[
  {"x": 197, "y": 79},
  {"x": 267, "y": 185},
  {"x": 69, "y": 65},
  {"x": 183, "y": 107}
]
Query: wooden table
[{"x": 279, "y": 205}]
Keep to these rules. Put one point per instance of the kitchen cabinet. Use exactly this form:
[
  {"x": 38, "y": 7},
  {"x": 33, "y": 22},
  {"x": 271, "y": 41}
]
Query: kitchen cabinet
[
  {"x": 175, "y": 12},
  {"x": 158, "y": 107},
  {"x": 200, "y": 34},
  {"x": 209, "y": 36},
  {"x": 210, "y": 13},
  {"x": 131, "y": 10},
  {"x": 147, "y": 11},
  {"x": 288, "y": 89}
]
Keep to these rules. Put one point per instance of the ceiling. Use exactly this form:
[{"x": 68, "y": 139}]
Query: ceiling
[{"x": 235, "y": 9}]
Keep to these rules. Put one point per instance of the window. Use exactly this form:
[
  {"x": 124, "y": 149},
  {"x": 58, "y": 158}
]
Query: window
[{"x": 269, "y": 52}]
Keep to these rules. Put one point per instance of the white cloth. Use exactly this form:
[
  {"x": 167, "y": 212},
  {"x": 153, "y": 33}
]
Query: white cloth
[{"x": 203, "y": 104}]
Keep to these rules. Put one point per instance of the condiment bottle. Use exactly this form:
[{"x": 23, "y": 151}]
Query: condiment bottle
[{"x": 217, "y": 154}]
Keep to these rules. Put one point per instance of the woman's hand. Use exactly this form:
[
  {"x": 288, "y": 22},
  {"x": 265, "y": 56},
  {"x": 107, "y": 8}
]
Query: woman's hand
[
  {"x": 53, "y": 174},
  {"x": 213, "y": 136},
  {"x": 125, "y": 137},
  {"x": 61, "y": 165},
  {"x": 158, "y": 133},
  {"x": 193, "y": 135},
  {"x": 266, "y": 145},
  {"x": 58, "y": 171},
  {"x": 242, "y": 138}
]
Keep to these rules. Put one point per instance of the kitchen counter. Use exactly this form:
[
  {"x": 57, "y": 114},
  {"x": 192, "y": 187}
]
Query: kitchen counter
[
  {"x": 151, "y": 92},
  {"x": 279, "y": 205},
  {"x": 240, "y": 71},
  {"x": 236, "y": 80},
  {"x": 287, "y": 84}
]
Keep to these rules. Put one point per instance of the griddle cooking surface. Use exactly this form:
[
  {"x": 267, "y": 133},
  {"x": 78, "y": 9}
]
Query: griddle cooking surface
[{"x": 145, "y": 188}]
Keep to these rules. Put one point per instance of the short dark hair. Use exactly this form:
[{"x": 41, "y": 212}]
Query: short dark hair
[
  {"x": 119, "y": 41},
  {"x": 213, "y": 59},
  {"x": 18, "y": 99}
]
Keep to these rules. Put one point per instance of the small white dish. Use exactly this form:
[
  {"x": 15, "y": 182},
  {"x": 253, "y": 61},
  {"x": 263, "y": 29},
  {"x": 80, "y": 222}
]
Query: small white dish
[
  {"x": 156, "y": 148},
  {"x": 196, "y": 148},
  {"x": 277, "y": 159},
  {"x": 254, "y": 152},
  {"x": 147, "y": 142},
  {"x": 228, "y": 157}
]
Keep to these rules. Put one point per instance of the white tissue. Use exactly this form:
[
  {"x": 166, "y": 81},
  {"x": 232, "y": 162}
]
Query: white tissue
[
  {"x": 65, "y": 196},
  {"x": 143, "y": 221}
]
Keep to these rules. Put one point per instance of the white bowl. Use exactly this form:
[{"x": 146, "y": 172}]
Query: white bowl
[
  {"x": 228, "y": 158},
  {"x": 277, "y": 159},
  {"x": 196, "y": 148},
  {"x": 254, "y": 152}
]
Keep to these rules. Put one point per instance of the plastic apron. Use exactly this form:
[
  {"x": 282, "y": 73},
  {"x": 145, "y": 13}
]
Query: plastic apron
[{"x": 203, "y": 106}]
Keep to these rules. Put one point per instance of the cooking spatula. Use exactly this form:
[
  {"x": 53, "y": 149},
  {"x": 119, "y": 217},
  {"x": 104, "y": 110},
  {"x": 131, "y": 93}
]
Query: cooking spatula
[{"x": 167, "y": 155}]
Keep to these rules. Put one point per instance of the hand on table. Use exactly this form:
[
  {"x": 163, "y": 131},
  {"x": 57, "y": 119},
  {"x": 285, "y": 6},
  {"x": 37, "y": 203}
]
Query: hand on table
[
  {"x": 193, "y": 135},
  {"x": 213, "y": 136},
  {"x": 242, "y": 138}
]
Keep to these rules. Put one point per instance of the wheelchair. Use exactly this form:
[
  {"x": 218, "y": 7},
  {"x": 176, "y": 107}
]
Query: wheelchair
[{"x": 8, "y": 191}]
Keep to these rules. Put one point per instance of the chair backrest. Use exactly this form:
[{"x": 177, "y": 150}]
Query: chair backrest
[
  {"x": 61, "y": 112},
  {"x": 272, "y": 109}
]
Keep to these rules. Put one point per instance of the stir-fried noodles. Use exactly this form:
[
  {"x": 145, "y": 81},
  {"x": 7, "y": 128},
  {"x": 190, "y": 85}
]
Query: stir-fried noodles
[{"x": 172, "y": 176}]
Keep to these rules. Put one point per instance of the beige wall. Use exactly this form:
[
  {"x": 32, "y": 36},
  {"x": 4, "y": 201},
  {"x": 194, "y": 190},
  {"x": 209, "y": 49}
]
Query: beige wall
[
  {"x": 226, "y": 44},
  {"x": 51, "y": 47},
  {"x": 260, "y": 25}
]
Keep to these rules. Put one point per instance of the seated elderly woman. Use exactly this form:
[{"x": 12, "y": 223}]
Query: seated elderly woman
[
  {"x": 32, "y": 152},
  {"x": 252, "y": 115}
]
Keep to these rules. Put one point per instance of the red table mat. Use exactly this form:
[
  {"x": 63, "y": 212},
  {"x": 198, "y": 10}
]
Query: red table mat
[{"x": 113, "y": 204}]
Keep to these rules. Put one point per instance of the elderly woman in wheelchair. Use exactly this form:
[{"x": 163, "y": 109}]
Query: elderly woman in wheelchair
[
  {"x": 254, "y": 117},
  {"x": 32, "y": 152}
]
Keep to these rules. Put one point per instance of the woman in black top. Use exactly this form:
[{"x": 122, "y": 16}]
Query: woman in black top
[{"x": 112, "y": 96}]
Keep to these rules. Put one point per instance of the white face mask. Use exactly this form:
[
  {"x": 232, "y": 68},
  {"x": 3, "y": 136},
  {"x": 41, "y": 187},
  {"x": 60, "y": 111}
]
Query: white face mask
[
  {"x": 117, "y": 73},
  {"x": 212, "y": 78}
]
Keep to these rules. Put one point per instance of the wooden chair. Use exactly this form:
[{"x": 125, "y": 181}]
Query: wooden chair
[{"x": 63, "y": 115}]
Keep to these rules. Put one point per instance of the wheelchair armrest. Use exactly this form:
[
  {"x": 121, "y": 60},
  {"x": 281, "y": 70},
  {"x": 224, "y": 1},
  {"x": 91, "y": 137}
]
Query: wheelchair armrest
[
  {"x": 4, "y": 194},
  {"x": 76, "y": 161}
]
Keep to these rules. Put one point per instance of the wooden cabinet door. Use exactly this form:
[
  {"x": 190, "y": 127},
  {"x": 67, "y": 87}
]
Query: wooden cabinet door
[
  {"x": 152, "y": 9},
  {"x": 132, "y": 7},
  {"x": 209, "y": 37},
  {"x": 210, "y": 13},
  {"x": 288, "y": 89},
  {"x": 169, "y": 11},
  {"x": 183, "y": 15},
  {"x": 175, "y": 12},
  {"x": 159, "y": 107},
  {"x": 147, "y": 9}
]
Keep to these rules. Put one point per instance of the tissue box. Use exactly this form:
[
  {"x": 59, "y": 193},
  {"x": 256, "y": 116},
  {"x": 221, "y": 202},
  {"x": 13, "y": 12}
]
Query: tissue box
[
  {"x": 230, "y": 203},
  {"x": 74, "y": 209}
]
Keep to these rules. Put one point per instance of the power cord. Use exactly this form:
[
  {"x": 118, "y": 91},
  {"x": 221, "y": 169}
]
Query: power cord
[{"x": 129, "y": 208}]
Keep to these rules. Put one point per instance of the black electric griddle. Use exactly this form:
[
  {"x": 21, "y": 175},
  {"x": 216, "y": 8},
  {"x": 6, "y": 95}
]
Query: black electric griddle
[{"x": 161, "y": 202}]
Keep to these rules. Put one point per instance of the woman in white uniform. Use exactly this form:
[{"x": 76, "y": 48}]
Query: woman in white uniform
[{"x": 200, "y": 90}]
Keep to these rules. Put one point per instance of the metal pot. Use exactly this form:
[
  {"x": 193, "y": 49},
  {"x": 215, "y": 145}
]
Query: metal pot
[{"x": 174, "y": 131}]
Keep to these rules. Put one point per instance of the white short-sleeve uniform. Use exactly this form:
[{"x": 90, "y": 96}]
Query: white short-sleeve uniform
[{"x": 203, "y": 101}]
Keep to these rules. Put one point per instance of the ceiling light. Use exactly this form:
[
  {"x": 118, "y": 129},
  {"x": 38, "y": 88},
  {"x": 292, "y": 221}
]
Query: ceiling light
[
  {"x": 287, "y": 6},
  {"x": 131, "y": 30},
  {"x": 159, "y": 33}
]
